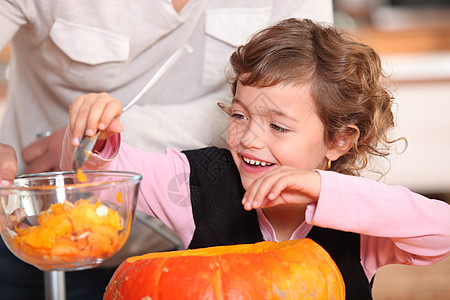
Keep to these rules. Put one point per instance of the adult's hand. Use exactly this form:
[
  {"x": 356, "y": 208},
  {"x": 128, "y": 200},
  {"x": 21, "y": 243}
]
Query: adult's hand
[
  {"x": 43, "y": 155},
  {"x": 8, "y": 165}
]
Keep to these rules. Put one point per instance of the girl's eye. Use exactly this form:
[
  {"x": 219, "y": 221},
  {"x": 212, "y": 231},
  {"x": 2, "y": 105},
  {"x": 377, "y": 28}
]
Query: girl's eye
[
  {"x": 238, "y": 116},
  {"x": 278, "y": 128}
]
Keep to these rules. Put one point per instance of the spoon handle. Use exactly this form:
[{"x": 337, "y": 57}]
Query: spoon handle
[
  {"x": 162, "y": 70},
  {"x": 87, "y": 143}
]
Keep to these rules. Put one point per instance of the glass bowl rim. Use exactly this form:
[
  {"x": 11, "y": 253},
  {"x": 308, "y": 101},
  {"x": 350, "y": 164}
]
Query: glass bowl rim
[{"x": 132, "y": 177}]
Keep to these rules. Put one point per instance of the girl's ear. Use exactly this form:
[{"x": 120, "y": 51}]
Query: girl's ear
[{"x": 342, "y": 142}]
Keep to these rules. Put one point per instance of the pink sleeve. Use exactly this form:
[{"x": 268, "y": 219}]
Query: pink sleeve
[
  {"x": 164, "y": 190},
  {"x": 396, "y": 225}
]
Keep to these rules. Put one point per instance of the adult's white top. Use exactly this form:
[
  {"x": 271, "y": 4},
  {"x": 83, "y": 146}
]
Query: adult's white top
[{"x": 62, "y": 49}]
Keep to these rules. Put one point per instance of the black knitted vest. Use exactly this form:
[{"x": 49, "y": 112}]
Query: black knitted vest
[{"x": 216, "y": 194}]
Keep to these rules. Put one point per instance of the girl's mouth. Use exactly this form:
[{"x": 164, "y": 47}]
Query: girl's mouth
[{"x": 256, "y": 163}]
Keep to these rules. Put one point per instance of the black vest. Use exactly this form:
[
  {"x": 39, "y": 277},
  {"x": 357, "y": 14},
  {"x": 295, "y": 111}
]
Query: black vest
[{"x": 220, "y": 219}]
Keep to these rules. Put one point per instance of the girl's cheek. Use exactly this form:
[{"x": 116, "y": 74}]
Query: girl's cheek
[{"x": 234, "y": 134}]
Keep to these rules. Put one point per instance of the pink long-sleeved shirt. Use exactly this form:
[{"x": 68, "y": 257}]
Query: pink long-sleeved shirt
[{"x": 396, "y": 225}]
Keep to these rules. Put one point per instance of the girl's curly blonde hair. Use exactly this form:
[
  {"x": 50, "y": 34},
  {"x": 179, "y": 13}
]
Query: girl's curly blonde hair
[{"x": 347, "y": 82}]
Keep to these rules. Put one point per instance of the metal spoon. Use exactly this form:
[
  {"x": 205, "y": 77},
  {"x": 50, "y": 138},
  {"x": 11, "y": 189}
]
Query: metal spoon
[{"x": 87, "y": 143}]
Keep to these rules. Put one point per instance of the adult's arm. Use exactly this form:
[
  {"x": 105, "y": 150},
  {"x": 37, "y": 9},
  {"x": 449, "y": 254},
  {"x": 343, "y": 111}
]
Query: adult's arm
[
  {"x": 43, "y": 154},
  {"x": 396, "y": 225},
  {"x": 13, "y": 14}
]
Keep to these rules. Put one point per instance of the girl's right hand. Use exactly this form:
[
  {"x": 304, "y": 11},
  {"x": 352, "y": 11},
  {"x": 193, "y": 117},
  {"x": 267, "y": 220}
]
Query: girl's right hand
[{"x": 92, "y": 112}]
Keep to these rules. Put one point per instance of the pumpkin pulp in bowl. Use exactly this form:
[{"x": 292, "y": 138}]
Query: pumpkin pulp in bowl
[
  {"x": 61, "y": 221},
  {"x": 69, "y": 231}
]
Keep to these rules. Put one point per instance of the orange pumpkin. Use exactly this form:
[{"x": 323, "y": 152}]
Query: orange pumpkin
[{"x": 299, "y": 269}]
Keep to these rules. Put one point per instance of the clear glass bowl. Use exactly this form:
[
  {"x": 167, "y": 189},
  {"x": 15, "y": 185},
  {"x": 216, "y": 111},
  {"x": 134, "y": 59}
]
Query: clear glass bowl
[{"x": 64, "y": 221}]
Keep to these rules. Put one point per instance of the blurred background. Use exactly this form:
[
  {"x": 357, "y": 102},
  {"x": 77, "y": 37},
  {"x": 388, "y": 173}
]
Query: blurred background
[{"x": 413, "y": 39}]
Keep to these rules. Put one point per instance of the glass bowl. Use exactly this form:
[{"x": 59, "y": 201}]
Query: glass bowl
[{"x": 65, "y": 221}]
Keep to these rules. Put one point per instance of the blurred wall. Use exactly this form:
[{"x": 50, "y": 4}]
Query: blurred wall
[{"x": 413, "y": 40}]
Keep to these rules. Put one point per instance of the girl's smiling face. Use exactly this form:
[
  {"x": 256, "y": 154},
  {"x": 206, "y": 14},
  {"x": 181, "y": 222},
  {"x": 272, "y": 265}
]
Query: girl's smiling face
[{"x": 275, "y": 126}]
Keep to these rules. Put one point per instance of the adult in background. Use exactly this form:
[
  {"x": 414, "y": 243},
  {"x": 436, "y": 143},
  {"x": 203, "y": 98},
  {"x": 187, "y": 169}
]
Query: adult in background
[{"x": 62, "y": 49}]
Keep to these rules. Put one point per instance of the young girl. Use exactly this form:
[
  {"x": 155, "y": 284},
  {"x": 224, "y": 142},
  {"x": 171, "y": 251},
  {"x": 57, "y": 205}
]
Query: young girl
[{"x": 308, "y": 112}]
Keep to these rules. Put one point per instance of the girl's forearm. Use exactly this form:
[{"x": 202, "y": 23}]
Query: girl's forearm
[{"x": 396, "y": 225}]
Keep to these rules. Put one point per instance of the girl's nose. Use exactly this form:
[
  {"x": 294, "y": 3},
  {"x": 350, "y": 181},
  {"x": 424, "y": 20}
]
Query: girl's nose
[{"x": 252, "y": 136}]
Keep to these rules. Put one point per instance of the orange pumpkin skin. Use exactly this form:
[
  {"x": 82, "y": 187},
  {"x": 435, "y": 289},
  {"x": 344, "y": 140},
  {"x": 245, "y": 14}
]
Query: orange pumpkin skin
[{"x": 299, "y": 269}]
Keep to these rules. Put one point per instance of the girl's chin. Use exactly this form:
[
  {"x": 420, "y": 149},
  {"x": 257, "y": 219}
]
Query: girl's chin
[
  {"x": 247, "y": 182},
  {"x": 247, "y": 178}
]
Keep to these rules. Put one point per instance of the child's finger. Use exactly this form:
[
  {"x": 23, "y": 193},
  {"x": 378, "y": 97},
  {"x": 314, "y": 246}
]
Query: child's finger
[
  {"x": 300, "y": 187},
  {"x": 265, "y": 191},
  {"x": 114, "y": 127},
  {"x": 77, "y": 121},
  {"x": 112, "y": 111},
  {"x": 249, "y": 195},
  {"x": 281, "y": 184},
  {"x": 82, "y": 115},
  {"x": 92, "y": 112},
  {"x": 257, "y": 192},
  {"x": 73, "y": 110},
  {"x": 100, "y": 111}
]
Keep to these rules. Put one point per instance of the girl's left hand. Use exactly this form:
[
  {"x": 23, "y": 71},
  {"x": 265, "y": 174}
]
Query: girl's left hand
[{"x": 281, "y": 186}]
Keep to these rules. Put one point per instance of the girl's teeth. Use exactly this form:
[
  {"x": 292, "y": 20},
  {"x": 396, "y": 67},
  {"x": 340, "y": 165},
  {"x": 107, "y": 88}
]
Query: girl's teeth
[{"x": 256, "y": 162}]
